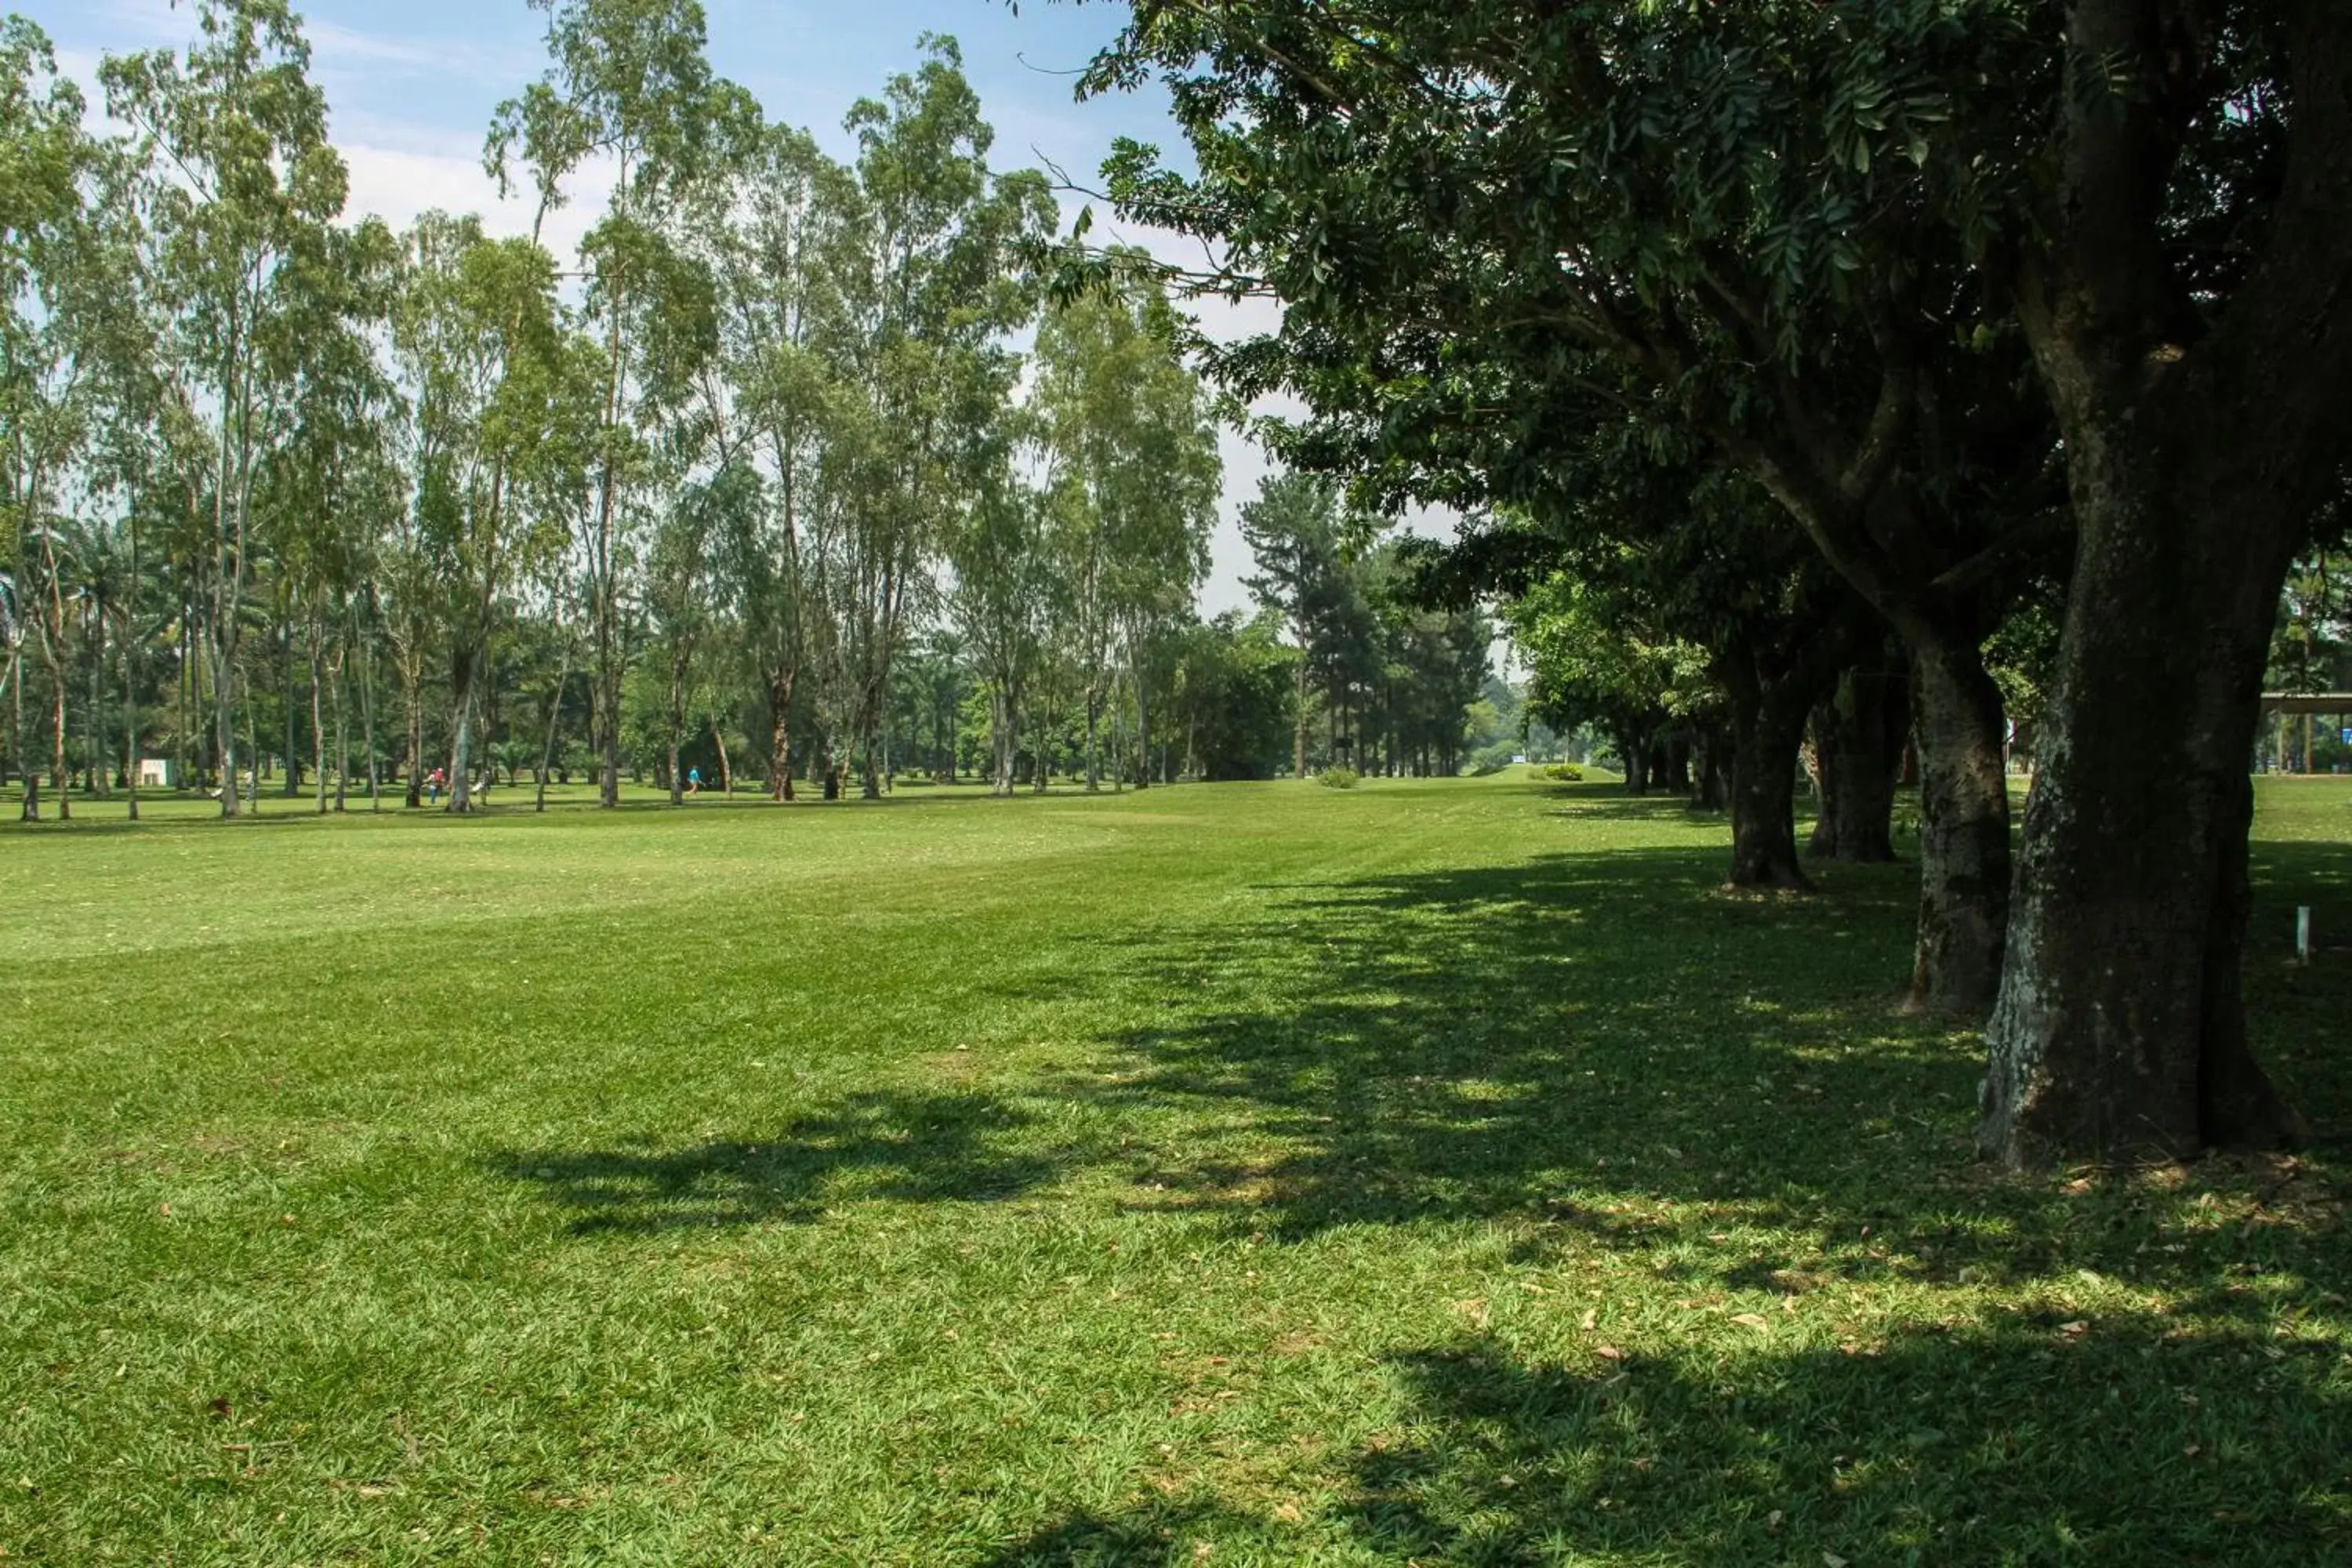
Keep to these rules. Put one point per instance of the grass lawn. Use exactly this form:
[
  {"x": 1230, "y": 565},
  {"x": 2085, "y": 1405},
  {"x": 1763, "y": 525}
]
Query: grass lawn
[{"x": 1438, "y": 1174}]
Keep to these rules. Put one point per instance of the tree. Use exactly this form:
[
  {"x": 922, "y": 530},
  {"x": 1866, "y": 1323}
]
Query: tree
[
  {"x": 629, "y": 82},
  {"x": 1004, "y": 596},
  {"x": 52, "y": 304},
  {"x": 1125, "y": 427},
  {"x": 1296, "y": 536},
  {"x": 243, "y": 184},
  {"x": 776, "y": 265},
  {"x": 2182, "y": 264},
  {"x": 925, "y": 307},
  {"x": 1236, "y": 687},
  {"x": 480, "y": 346}
]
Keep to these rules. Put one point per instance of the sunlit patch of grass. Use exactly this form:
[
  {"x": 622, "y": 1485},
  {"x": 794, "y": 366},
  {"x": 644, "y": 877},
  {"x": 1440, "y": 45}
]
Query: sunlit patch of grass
[{"x": 1436, "y": 1173}]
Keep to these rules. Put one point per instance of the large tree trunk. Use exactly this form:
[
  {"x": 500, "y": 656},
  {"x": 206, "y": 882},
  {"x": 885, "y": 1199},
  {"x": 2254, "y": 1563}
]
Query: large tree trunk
[
  {"x": 2200, "y": 438},
  {"x": 412, "y": 679},
  {"x": 673, "y": 728},
  {"x": 367, "y": 723},
  {"x": 1711, "y": 788},
  {"x": 1636, "y": 750},
  {"x": 1767, "y": 728},
  {"x": 608, "y": 791},
  {"x": 130, "y": 706},
  {"x": 1093, "y": 720},
  {"x": 253, "y": 751},
  {"x": 29, "y": 808},
  {"x": 1964, "y": 853},
  {"x": 318, "y": 729},
  {"x": 224, "y": 722},
  {"x": 779, "y": 684},
  {"x": 292, "y": 788},
  {"x": 57, "y": 733},
  {"x": 1678, "y": 761},
  {"x": 1858, "y": 739},
  {"x": 461, "y": 708},
  {"x": 1142, "y": 725},
  {"x": 95, "y": 723},
  {"x": 1298, "y": 717},
  {"x": 341, "y": 675},
  {"x": 1003, "y": 724},
  {"x": 2119, "y": 1026}
]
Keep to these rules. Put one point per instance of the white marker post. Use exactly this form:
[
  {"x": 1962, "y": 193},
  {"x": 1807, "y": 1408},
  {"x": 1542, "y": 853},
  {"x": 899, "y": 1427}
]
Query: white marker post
[{"x": 2303, "y": 934}]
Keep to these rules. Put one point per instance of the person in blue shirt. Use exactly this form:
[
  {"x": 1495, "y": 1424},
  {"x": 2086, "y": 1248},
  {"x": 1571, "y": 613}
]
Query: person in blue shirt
[{"x": 694, "y": 781}]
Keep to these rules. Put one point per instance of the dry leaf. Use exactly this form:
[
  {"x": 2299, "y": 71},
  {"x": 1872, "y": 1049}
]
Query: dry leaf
[
  {"x": 1591, "y": 1319},
  {"x": 1610, "y": 1353},
  {"x": 1753, "y": 1319}
]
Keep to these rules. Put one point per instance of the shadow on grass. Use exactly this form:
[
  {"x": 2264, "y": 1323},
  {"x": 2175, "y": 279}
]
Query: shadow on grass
[
  {"x": 1480, "y": 1042},
  {"x": 2016, "y": 1440},
  {"x": 1491, "y": 1040},
  {"x": 925, "y": 1148}
]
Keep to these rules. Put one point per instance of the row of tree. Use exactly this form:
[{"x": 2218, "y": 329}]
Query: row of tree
[
  {"x": 796, "y": 455},
  {"x": 760, "y": 473},
  {"x": 1787, "y": 344}
]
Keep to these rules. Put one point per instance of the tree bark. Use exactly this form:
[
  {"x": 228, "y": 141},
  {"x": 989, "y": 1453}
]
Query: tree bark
[
  {"x": 318, "y": 729},
  {"x": 1858, "y": 739},
  {"x": 1712, "y": 788},
  {"x": 1767, "y": 728},
  {"x": 411, "y": 678},
  {"x": 2119, "y": 1026},
  {"x": 2201, "y": 436},
  {"x": 28, "y": 809},
  {"x": 780, "y": 737},
  {"x": 554, "y": 717},
  {"x": 1964, "y": 832},
  {"x": 1635, "y": 752},
  {"x": 461, "y": 708},
  {"x": 1298, "y": 715},
  {"x": 367, "y": 722}
]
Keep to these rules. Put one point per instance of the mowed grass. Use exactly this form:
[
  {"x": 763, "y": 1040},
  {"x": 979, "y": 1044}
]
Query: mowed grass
[{"x": 1435, "y": 1172}]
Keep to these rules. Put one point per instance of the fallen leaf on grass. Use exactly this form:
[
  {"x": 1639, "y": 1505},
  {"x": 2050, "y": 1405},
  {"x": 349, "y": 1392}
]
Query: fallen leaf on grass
[
  {"x": 1753, "y": 1319},
  {"x": 1609, "y": 1352}
]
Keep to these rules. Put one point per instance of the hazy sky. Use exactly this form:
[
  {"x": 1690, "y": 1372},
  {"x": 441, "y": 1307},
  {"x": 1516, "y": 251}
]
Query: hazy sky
[{"x": 411, "y": 85}]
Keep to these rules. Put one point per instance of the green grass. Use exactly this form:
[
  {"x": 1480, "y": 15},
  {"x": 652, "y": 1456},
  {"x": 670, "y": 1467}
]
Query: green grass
[{"x": 1436, "y": 1173}]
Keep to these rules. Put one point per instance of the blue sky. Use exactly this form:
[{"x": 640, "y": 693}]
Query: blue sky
[{"x": 412, "y": 85}]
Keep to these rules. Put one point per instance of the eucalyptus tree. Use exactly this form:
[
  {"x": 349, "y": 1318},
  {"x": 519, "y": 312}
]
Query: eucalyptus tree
[
  {"x": 48, "y": 305},
  {"x": 243, "y": 186},
  {"x": 1126, "y": 424},
  {"x": 480, "y": 346},
  {"x": 1005, "y": 594},
  {"x": 777, "y": 253},
  {"x": 629, "y": 82},
  {"x": 926, "y": 303}
]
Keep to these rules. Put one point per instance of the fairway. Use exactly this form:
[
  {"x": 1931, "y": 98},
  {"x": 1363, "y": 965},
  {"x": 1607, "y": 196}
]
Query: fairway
[{"x": 1437, "y": 1172}]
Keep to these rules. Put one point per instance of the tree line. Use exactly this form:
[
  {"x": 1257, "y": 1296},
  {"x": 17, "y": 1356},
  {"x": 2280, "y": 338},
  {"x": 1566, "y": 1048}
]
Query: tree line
[
  {"x": 1871, "y": 367},
  {"x": 798, "y": 468}
]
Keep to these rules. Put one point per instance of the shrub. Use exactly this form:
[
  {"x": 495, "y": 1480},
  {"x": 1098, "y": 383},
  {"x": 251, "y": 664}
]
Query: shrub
[
  {"x": 1338, "y": 778},
  {"x": 1565, "y": 772}
]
